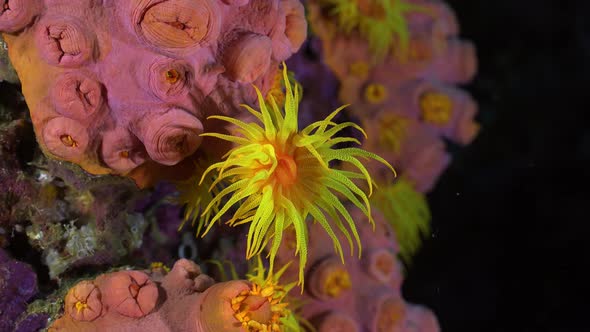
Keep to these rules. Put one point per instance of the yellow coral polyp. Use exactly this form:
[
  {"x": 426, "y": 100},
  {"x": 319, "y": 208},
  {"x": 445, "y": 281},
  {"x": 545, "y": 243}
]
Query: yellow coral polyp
[
  {"x": 376, "y": 93},
  {"x": 380, "y": 22},
  {"x": 392, "y": 131},
  {"x": 436, "y": 107},
  {"x": 268, "y": 293},
  {"x": 337, "y": 282},
  {"x": 280, "y": 175}
]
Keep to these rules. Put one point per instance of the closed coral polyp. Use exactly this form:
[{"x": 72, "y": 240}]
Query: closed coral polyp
[
  {"x": 177, "y": 24},
  {"x": 337, "y": 322},
  {"x": 295, "y": 23},
  {"x": 121, "y": 151},
  {"x": 248, "y": 57},
  {"x": 16, "y": 14},
  {"x": 382, "y": 265},
  {"x": 77, "y": 95},
  {"x": 64, "y": 41},
  {"x": 83, "y": 302},
  {"x": 391, "y": 315},
  {"x": 131, "y": 293},
  {"x": 65, "y": 138},
  {"x": 171, "y": 137}
]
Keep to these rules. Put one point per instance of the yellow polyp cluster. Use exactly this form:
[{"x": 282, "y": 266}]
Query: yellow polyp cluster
[
  {"x": 392, "y": 131},
  {"x": 337, "y": 282},
  {"x": 155, "y": 266},
  {"x": 380, "y": 22},
  {"x": 80, "y": 306},
  {"x": 436, "y": 108},
  {"x": 376, "y": 93},
  {"x": 279, "y": 176}
]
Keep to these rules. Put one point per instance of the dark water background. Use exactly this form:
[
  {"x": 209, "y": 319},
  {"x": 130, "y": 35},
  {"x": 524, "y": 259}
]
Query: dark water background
[{"x": 511, "y": 245}]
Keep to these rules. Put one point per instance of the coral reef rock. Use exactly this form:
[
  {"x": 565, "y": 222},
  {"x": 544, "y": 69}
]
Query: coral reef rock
[{"x": 18, "y": 284}]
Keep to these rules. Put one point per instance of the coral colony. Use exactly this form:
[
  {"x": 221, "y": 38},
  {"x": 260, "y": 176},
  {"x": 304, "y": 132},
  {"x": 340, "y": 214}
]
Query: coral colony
[{"x": 284, "y": 146}]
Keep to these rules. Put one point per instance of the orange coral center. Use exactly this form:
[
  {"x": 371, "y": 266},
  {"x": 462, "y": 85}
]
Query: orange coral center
[
  {"x": 375, "y": 93},
  {"x": 391, "y": 315},
  {"x": 337, "y": 282},
  {"x": 436, "y": 107},
  {"x": 259, "y": 309},
  {"x": 172, "y": 76},
  {"x": 67, "y": 140},
  {"x": 124, "y": 154},
  {"x": 286, "y": 171},
  {"x": 385, "y": 264}
]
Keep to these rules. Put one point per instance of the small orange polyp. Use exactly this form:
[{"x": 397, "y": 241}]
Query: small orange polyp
[
  {"x": 172, "y": 76},
  {"x": 67, "y": 140}
]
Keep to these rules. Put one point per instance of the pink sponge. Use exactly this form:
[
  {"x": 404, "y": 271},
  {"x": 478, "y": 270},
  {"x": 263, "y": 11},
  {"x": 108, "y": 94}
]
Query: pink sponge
[{"x": 119, "y": 85}]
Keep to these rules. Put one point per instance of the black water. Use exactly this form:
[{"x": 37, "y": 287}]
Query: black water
[{"x": 511, "y": 246}]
